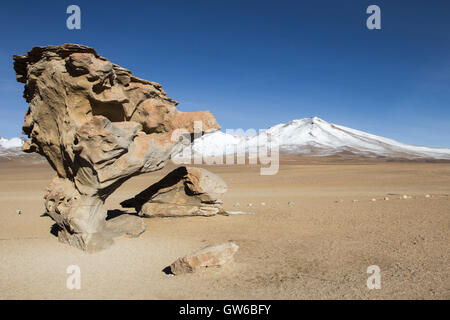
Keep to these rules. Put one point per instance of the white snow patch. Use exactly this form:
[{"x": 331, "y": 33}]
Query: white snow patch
[{"x": 11, "y": 143}]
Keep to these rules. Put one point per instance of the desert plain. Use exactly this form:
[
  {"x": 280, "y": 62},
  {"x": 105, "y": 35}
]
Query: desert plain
[{"x": 308, "y": 237}]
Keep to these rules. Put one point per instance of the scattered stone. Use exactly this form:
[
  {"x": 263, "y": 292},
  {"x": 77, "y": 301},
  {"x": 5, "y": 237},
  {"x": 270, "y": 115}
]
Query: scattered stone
[
  {"x": 18, "y": 211},
  {"x": 386, "y": 198},
  {"x": 355, "y": 200},
  {"x": 291, "y": 203},
  {"x": 237, "y": 204},
  {"x": 404, "y": 196},
  {"x": 427, "y": 196},
  {"x": 186, "y": 191},
  {"x": 249, "y": 205},
  {"x": 97, "y": 125},
  {"x": 373, "y": 200},
  {"x": 339, "y": 201},
  {"x": 213, "y": 256},
  {"x": 263, "y": 203}
]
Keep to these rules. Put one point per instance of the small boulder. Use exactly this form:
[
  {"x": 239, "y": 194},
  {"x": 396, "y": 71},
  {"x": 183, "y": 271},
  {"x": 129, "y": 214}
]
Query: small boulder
[{"x": 212, "y": 256}]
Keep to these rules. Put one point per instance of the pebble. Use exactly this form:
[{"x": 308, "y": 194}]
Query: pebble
[
  {"x": 373, "y": 200},
  {"x": 237, "y": 204},
  {"x": 427, "y": 196},
  {"x": 249, "y": 205},
  {"x": 404, "y": 196},
  {"x": 18, "y": 211},
  {"x": 355, "y": 200},
  {"x": 263, "y": 203},
  {"x": 386, "y": 198},
  {"x": 239, "y": 212},
  {"x": 291, "y": 203}
]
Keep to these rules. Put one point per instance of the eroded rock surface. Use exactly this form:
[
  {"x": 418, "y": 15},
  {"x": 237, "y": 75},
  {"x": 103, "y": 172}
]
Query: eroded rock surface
[
  {"x": 97, "y": 125},
  {"x": 186, "y": 191},
  {"x": 213, "y": 256}
]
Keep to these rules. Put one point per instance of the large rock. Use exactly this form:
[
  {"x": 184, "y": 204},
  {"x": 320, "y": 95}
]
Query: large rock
[
  {"x": 213, "y": 256},
  {"x": 97, "y": 125},
  {"x": 186, "y": 191}
]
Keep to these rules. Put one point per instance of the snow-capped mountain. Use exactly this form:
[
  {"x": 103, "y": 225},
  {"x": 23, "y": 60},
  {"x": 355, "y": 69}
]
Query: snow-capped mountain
[
  {"x": 314, "y": 136},
  {"x": 10, "y": 149},
  {"x": 11, "y": 143}
]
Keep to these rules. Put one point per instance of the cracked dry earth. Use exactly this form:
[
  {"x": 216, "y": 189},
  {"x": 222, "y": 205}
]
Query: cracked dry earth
[{"x": 318, "y": 248}]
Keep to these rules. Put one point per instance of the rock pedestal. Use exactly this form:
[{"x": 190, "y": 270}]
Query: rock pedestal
[{"x": 97, "y": 125}]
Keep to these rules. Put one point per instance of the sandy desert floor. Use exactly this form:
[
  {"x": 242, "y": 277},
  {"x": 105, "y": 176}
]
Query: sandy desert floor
[{"x": 319, "y": 248}]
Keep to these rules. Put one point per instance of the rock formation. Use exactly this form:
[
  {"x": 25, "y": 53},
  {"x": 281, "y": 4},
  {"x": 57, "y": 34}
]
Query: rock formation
[
  {"x": 97, "y": 125},
  {"x": 213, "y": 256},
  {"x": 185, "y": 191}
]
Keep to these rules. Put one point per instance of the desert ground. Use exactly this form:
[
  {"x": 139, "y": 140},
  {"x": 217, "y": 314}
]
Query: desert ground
[{"x": 317, "y": 248}]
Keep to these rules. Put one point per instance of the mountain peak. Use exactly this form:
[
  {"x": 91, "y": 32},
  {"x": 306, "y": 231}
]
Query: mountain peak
[{"x": 315, "y": 136}]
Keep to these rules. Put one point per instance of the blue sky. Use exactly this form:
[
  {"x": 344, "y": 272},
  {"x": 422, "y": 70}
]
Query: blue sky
[{"x": 255, "y": 63}]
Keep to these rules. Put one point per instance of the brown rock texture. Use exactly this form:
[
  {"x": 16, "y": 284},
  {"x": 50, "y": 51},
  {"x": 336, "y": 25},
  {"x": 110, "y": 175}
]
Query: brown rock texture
[
  {"x": 97, "y": 125},
  {"x": 213, "y": 256},
  {"x": 186, "y": 191}
]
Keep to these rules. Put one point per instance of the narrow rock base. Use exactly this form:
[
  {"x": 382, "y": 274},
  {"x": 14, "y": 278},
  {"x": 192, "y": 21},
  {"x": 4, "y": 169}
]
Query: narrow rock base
[{"x": 127, "y": 225}]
